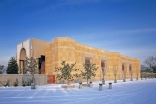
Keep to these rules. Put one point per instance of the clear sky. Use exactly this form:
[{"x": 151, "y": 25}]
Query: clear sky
[{"x": 125, "y": 26}]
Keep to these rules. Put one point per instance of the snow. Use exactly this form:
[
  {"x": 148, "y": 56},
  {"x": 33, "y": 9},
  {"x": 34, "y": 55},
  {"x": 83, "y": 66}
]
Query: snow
[{"x": 129, "y": 92}]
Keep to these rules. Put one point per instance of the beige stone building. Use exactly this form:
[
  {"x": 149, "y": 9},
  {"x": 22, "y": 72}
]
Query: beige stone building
[{"x": 50, "y": 55}]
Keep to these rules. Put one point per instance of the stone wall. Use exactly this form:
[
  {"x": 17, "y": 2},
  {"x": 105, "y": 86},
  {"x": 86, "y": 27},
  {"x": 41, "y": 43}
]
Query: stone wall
[
  {"x": 38, "y": 47},
  {"x": 71, "y": 51},
  {"x": 39, "y": 79},
  {"x": 24, "y": 45},
  {"x": 30, "y": 48}
]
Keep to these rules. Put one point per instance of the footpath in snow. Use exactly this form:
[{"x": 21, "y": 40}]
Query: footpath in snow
[{"x": 129, "y": 92}]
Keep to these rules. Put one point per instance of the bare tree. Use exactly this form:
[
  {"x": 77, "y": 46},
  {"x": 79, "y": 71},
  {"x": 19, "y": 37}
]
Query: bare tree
[
  {"x": 124, "y": 72},
  {"x": 151, "y": 62},
  {"x": 143, "y": 68},
  {"x": 131, "y": 72},
  {"x": 103, "y": 74},
  {"x": 137, "y": 73},
  {"x": 1, "y": 69},
  {"x": 31, "y": 67},
  {"x": 115, "y": 70}
]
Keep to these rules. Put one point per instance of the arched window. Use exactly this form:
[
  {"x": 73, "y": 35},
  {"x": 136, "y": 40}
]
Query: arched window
[
  {"x": 22, "y": 59},
  {"x": 23, "y": 54}
]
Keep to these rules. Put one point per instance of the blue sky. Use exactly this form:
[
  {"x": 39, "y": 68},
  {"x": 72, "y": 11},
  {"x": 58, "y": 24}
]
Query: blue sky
[{"x": 125, "y": 26}]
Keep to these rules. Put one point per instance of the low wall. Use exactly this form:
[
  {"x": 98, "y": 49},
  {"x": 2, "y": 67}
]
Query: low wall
[{"x": 39, "y": 79}]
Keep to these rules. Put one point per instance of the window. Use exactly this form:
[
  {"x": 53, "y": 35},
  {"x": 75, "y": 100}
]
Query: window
[
  {"x": 123, "y": 67},
  {"x": 102, "y": 65},
  {"x": 87, "y": 60},
  {"x": 130, "y": 68}
]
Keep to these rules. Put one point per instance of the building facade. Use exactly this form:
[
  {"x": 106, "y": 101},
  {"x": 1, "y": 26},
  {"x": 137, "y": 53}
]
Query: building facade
[{"x": 50, "y": 55}]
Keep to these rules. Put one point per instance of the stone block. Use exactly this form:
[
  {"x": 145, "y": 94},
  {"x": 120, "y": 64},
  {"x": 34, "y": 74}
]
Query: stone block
[{"x": 68, "y": 86}]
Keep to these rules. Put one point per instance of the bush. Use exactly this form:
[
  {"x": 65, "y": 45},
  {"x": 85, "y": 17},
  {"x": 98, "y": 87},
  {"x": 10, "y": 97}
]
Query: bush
[
  {"x": 7, "y": 83},
  {"x": 16, "y": 83}
]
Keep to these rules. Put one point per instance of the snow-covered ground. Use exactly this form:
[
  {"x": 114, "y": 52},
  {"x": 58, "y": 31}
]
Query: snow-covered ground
[{"x": 129, "y": 92}]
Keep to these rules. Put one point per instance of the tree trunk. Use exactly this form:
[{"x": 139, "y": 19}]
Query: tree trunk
[
  {"x": 131, "y": 78},
  {"x": 115, "y": 81},
  {"x": 115, "y": 77},
  {"x": 124, "y": 80},
  {"x": 87, "y": 81},
  {"x": 68, "y": 82},
  {"x": 103, "y": 79},
  {"x": 33, "y": 82},
  {"x": 33, "y": 78},
  {"x": 137, "y": 77}
]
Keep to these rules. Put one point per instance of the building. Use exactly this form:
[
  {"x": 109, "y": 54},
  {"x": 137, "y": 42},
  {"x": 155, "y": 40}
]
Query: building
[{"x": 50, "y": 55}]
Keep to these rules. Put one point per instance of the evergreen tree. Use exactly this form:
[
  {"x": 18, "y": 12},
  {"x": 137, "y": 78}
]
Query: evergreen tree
[{"x": 12, "y": 66}]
